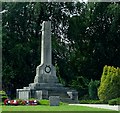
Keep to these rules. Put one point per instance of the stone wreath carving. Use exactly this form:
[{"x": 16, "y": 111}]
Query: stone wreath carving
[{"x": 47, "y": 69}]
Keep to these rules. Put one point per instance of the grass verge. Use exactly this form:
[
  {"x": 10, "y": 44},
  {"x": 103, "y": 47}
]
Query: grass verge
[{"x": 50, "y": 108}]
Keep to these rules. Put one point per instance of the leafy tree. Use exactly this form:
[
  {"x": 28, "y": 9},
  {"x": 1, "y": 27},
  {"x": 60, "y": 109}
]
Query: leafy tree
[{"x": 85, "y": 38}]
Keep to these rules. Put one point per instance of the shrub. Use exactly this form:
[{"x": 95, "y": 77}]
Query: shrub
[
  {"x": 115, "y": 101},
  {"x": 3, "y": 95},
  {"x": 81, "y": 85},
  {"x": 110, "y": 84},
  {"x": 91, "y": 102},
  {"x": 92, "y": 88},
  {"x": 62, "y": 103},
  {"x": 44, "y": 102}
]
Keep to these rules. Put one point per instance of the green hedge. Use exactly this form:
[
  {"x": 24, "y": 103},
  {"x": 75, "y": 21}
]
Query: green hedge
[
  {"x": 91, "y": 102},
  {"x": 110, "y": 84},
  {"x": 47, "y": 102},
  {"x": 44, "y": 102},
  {"x": 115, "y": 101}
]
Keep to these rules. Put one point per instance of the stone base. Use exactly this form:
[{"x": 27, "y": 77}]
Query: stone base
[
  {"x": 45, "y": 90},
  {"x": 45, "y": 85}
]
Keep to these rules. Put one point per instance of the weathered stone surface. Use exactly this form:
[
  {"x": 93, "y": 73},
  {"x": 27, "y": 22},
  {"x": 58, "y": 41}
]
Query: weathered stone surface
[
  {"x": 42, "y": 94},
  {"x": 46, "y": 72},
  {"x": 24, "y": 94},
  {"x": 54, "y": 100},
  {"x": 73, "y": 95}
]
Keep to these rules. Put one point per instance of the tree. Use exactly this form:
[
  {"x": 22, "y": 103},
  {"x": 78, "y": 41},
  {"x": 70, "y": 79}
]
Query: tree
[
  {"x": 110, "y": 83},
  {"x": 85, "y": 38}
]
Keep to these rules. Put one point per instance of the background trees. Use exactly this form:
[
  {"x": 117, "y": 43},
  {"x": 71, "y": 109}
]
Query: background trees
[{"x": 85, "y": 38}]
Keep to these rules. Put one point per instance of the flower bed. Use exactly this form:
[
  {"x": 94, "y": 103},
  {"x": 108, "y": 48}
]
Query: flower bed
[{"x": 20, "y": 102}]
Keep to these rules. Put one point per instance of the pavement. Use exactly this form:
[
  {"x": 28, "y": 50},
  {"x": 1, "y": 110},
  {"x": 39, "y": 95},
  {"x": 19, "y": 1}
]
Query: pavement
[{"x": 103, "y": 106}]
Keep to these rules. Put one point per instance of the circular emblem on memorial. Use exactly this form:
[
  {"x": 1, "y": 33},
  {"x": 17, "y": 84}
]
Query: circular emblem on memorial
[{"x": 47, "y": 69}]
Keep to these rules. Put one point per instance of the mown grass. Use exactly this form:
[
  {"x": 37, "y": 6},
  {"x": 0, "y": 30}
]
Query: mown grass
[{"x": 50, "y": 108}]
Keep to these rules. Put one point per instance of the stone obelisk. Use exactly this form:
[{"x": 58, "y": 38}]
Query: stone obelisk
[{"x": 45, "y": 72}]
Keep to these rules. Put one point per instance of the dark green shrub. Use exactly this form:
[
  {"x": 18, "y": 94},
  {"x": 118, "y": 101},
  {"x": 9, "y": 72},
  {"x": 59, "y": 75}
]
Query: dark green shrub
[
  {"x": 62, "y": 103},
  {"x": 93, "y": 89},
  {"x": 81, "y": 85},
  {"x": 115, "y": 101},
  {"x": 3, "y": 98},
  {"x": 91, "y": 102},
  {"x": 110, "y": 84},
  {"x": 85, "y": 97}
]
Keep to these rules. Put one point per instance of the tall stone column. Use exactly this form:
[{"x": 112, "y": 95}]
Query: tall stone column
[
  {"x": 45, "y": 72},
  {"x": 46, "y": 44}
]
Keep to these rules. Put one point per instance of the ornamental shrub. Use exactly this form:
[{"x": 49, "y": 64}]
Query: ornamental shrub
[
  {"x": 92, "y": 89},
  {"x": 115, "y": 101},
  {"x": 110, "y": 84}
]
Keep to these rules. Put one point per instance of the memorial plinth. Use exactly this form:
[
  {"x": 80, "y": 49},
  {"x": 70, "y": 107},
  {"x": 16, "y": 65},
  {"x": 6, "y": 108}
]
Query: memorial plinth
[{"x": 46, "y": 83}]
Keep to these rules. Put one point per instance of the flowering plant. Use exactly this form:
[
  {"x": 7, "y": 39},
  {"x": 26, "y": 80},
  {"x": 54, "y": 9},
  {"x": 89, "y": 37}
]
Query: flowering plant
[
  {"x": 20, "y": 102},
  {"x": 10, "y": 102}
]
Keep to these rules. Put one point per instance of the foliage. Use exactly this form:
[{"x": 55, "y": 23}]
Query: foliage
[
  {"x": 3, "y": 95},
  {"x": 115, "y": 101},
  {"x": 91, "y": 102},
  {"x": 93, "y": 89},
  {"x": 44, "y": 102},
  {"x": 110, "y": 84},
  {"x": 81, "y": 85},
  {"x": 83, "y": 34},
  {"x": 20, "y": 102}
]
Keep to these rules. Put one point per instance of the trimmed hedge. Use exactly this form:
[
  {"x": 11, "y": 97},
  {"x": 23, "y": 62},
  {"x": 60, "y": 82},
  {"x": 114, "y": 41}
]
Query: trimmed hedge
[
  {"x": 110, "y": 84},
  {"x": 115, "y": 101},
  {"x": 91, "y": 102}
]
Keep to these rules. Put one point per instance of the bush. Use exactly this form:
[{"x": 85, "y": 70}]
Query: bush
[
  {"x": 62, "y": 103},
  {"x": 92, "y": 88},
  {"x": 3, "y": 95},
  {"x": 44, "y": 102},
  {"x": 81, "y": 85},
  {"x": 115, "y": 101},
  {"x": 110, "y": 84},
  {"x": 91, "y": 102}
]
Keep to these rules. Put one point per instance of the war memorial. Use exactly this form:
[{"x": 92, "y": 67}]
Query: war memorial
[{"x": 46, "y": 84}]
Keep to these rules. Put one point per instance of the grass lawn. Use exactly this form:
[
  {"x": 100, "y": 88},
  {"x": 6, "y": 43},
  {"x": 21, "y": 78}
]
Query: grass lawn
[{"x": 50, "y": 108}]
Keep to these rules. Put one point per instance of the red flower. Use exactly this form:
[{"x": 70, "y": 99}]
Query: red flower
[
  {"x": 6, "y": 101},
  {"x": 14, "y": 102}
]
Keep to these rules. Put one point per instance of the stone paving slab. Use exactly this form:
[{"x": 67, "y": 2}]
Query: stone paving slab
[{"x": 104, "y": 106}]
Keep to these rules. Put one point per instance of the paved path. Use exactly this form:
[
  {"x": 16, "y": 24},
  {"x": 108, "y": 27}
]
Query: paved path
[{"x": 104, "y": 106}]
